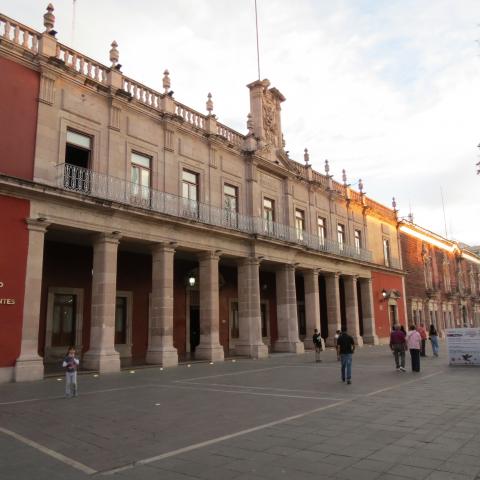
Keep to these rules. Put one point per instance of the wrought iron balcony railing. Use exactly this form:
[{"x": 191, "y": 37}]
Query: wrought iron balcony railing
[{"x": 99, "y": 185}]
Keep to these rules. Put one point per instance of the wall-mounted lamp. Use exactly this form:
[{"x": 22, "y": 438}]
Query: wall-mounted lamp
[
  {"x": 384, "y": 294},
  {"x": 191, "y": 281}
]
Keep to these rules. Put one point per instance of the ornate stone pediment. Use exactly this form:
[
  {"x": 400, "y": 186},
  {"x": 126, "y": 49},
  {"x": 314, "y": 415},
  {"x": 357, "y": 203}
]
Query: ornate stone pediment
[{"x": 265, "y": 114}]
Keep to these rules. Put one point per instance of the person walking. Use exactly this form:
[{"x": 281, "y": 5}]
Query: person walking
[
  {"x": 433, "y": 335},
  {"x": 345, "y": 349},
  {"x": 317, "y": 343},
  {"x": 414, "y": 343},
  {"x": 423, "y": 334},
  {"x": 70, "y": 363},
  {"x": 398, "y": 345}
]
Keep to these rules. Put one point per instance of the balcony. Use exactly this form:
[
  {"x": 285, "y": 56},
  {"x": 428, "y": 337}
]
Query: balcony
[{"x": 99, "y": 185}]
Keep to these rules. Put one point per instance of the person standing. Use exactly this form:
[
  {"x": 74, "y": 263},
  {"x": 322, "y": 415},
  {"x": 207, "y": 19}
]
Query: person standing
[
  {"x": 398, "y": 345},
  {"x": 317, "y": 343},
  {"x": 433, "y": 335},
  {"x": 414, "y": 343},
  {"x": 423, "y": 334},
  {"x": 345, "y": 349},
  {"x": 70, "y": 363}
]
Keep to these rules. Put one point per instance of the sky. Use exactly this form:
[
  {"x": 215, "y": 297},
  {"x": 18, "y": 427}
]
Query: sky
[{"x": 388, "y": 90}]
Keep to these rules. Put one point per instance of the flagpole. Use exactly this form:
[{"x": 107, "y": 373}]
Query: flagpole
[{"x": 258, "y": 48}]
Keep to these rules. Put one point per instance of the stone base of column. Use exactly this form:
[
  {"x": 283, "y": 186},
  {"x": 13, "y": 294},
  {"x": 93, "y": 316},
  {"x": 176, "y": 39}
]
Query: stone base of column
[
  {"x": 103, "y": 362},
  {"x": 28, "y": 370},
  {"x": 213, "y": 353},
  {"x": 371, "y": 339},
  {"x": 308, "y": 344},
  {"x": 331, "y": 342},
  {"x": 358, "y": 340},
  {"x": 253, "y": 351},
  {"x": 286, "y": 346},
  {"x": 166, "y": 357}
]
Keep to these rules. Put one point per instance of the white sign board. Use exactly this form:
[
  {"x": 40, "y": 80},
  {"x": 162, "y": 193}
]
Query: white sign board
[{"x": 463, "y": 346}]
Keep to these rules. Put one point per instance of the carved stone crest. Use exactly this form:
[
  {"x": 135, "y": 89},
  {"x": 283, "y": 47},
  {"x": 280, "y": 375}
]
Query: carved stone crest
[{"x": 269, "y": 118}]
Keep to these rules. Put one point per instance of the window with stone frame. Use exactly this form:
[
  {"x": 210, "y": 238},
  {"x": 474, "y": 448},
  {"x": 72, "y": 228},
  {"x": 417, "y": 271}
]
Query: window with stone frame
[
  {"x": 140, "y": 177},
  {"x": 78, "y": 151},
  {"x": 230, "y": 205},
  {"x": 358, "y": 240},
  {"x": 427, "y": 268},
  {"x": 340, "y": 235},
  {"x": 190, "y": 194},
  {"x": 446, "y": 274},
  {"x": 322, "y": 230},
  {"x": 299, "y": 223},
  {"x": 473, "y": 285},
  {"x": 386, "y": 252}
]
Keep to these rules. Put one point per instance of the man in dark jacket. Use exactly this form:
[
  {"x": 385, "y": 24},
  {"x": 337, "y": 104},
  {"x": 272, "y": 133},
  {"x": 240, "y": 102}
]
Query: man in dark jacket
[
  {"x": 398, "y": 345},
  {"x": 345, "y": 348}
]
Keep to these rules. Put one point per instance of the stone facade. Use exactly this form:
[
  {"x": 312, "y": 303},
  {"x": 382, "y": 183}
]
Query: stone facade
[
  {"x": 200, "y": 240},
  {"x": 443, "y": 279}
]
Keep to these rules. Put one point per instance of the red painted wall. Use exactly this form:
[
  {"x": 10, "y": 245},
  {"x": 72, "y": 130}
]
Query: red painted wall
[
  {"x": 13, "y": 263},
  {"x": 134, "y": 274},
  {"x": 66, "y": 266},
  {"x": 19, "y": 88},
  {"x": 380, "y": 281}
]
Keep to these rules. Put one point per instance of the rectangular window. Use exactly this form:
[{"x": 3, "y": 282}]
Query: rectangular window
[
  {"x": 299, "y": 223},
  {"x": 358, "y": 240},
  {"x": 230, "y": 205},
  {"x": 340, "y": 236},
  {"x": 386, "y": 252},
  {"x": 77, "y": 161},
  {"x": 190, "y": 194},
  {"x": 121, "y": 321},
  {"x": 140, "y": 178},
  {"x": 268, "y": 215},
  {"x": 322, "y": 230},
  {"x": 64, "y": 321}
]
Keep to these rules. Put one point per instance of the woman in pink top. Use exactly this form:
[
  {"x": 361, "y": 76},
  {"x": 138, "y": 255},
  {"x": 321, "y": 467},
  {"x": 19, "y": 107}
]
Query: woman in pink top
[{"x": 414, "y": 343}]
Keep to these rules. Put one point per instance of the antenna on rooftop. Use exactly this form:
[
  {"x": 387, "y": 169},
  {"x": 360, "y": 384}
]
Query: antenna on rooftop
[
  {"x": 73, "y": 22},
  {"x": 444, "y": 216},
  {"x": 258, "y": 48}
]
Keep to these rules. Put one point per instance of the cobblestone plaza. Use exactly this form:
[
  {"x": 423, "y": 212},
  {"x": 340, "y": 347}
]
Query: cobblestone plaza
[{"x": 280, "y": 417}]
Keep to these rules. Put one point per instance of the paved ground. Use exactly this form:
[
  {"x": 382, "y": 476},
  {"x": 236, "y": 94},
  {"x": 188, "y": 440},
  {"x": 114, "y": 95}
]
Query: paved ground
[{"x": 284, "y": 417}]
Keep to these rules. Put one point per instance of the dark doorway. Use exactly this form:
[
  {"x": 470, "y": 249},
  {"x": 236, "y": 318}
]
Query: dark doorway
[
  {"x": 194, "y": 327},
  {"x": 322, "y": 290},
  {"x": 302, "y": 324},
  {"x": 343, "y": 310},
  {"x": 64, "y": 321},
  {"x": 360, "y": 308}
]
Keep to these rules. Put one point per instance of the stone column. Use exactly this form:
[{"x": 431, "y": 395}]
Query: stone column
[
  {"x": 102, "y": 355},
  {"x": 369, "y": 334},
  {"x": 209, "y": 347},
  {"x": 332, "y": 287},
  {"x": 288, "y": 340},
  {"x": 250, "y": 318},
  {"x": 29, "y": 365},
  {"x": 160, "y": 347},
  {"x": 312, "y": 305},
  {"x": 351, "y": 310}
]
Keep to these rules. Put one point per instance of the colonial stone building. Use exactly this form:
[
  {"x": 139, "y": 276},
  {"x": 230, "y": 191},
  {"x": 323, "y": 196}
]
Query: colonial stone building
[
  {"x": 443, "y": 279},
  {"x": 140, "y": 230}
]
